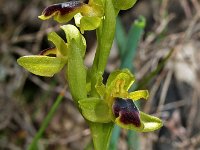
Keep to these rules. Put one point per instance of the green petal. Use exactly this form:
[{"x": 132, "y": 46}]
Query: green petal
[
  {"x": 59, "y": 43},
  {"x": 73, "y": 33},
  {"x": 42, "y": 65},
  {"x": 120, "y": 75},
  {"x": 136, "y": 95},
  {"x": 62, "y": 12},
  {"x": 89, "y": 23},
  {"x": 95, "y": 110},
  {"x": 151, "y": 123},
  {"x": 124, "y": 4}
]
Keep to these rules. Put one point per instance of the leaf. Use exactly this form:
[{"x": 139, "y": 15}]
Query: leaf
[
  {"x": 42, "y": 65},
  {"x": 95, "y": 110},
  {"x": 120, "y": 36},
  {"x": 151, "y": 123},
  {"x": 132, "y": 42}
]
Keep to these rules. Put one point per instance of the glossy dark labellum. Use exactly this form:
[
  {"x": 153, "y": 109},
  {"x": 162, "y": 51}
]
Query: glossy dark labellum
[
  {"x": 62, "y": 8},
  {"x": 127, "y": 111}
]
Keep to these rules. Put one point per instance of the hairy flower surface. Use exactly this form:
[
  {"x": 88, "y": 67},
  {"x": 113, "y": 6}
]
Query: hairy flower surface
[
  {"x": 117, "y": 104},
  {"x": 87, "y": 16}
]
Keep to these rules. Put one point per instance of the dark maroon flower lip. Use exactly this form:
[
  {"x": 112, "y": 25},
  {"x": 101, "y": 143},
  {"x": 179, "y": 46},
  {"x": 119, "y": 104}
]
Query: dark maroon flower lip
[
  {"x": 62, "y": 8},
  {"x": 127, "y": 111}
]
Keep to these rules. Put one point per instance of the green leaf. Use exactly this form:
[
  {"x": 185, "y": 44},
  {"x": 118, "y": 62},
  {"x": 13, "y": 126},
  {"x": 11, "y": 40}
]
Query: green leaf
[
  {"x": 120, "y": 36},
  {"x": 59, "y": 43},
  {"x": 95, "y": 110},
  {"x": 114, "y": 138},
  {"x": 151, "y": 123},
  {"x": 132, "y": 43},
  {"x": 124, "y": 4},
  {"x": 42, "y": 65}
]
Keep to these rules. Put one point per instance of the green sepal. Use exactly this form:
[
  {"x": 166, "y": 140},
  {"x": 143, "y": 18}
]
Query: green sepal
[
  {"x": 87, "y": 23},
  {"x": 120, "y": 75},
  {"x": 76, "y": 72},
  {"x": 151, "y": 123},
  {"x": 93, "y": 9},
  {"x": 42, "y": 65},
  {"x": 124, "y": 4},
  {"x": 57, "y": 17},
  {"x": 97, "y": 2},
  {"x": 95, "y": 110},
  {"x": 73, "y": 33},
  {"x": 60, "y": 44},
  {"x": 62, "y": 12}
]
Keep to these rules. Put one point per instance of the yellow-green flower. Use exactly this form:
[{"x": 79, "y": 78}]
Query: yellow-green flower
[
  {"x": 87, "y": 16},
  {"x": 52, "y": 60},
  {"x": 117, "y": 104}
]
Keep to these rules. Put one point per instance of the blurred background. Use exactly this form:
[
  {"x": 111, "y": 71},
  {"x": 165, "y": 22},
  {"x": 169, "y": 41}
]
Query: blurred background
[{"x": 166, "y": 62}]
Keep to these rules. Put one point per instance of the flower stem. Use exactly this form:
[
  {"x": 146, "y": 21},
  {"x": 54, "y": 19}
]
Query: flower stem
[
  {"x": 45, "y": 123},
  {"x": 101, "y": 132},
  {"x": 105, "y": 36}
]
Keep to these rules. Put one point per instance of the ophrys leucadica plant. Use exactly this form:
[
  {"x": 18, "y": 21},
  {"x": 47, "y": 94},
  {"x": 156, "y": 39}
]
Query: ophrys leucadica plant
[{"x": 102, "y": 105}]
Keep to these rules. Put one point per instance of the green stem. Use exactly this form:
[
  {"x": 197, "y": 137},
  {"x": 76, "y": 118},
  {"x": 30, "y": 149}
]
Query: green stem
[
  {"x": 101, "y": 132},
  {"x": 105, "y": 37},
  {"x": 45, "y": 123}
]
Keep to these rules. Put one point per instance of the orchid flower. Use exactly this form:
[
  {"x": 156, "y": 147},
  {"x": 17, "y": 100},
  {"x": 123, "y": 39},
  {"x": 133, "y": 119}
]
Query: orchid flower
[
  {"x": 116, "y": 104},
  {"x": 87, "y": 16}
]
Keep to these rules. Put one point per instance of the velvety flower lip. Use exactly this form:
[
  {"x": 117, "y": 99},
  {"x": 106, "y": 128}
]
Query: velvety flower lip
[
  {"x": 62, "y": 8},
  {"x": 127, "y": 111},
  {"x": 117, "y": 104}
]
